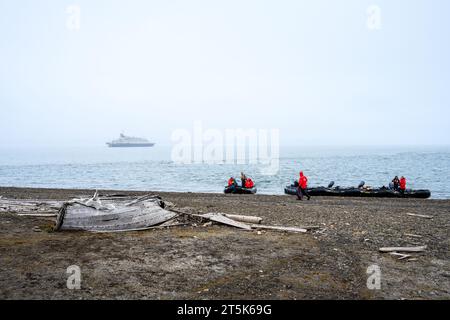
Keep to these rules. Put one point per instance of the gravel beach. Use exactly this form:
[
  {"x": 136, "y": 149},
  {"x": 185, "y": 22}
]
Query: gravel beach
[{"x": 221, "y": 262}]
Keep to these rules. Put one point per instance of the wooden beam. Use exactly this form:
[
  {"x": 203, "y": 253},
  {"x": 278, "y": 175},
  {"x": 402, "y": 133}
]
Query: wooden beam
[
  {"x": 412, "y": 235},
  {"x": 278, "y": 228},
  {"x": 403, "y": 249},
  {"x": 216, "y": 217},
  {"x": 246, "y": 219},
  {"x": 400, "y": 255},
  {"x": 419, "y": 215}
]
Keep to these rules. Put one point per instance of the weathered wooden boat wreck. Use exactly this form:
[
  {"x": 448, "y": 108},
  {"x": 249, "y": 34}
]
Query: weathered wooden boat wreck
[{"x": 112, "y": 214}]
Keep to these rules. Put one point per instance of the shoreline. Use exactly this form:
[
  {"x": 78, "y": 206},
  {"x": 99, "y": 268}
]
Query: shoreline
[
  {"x": 15, "y": 191},
  {"x": 220, "y": 262}
]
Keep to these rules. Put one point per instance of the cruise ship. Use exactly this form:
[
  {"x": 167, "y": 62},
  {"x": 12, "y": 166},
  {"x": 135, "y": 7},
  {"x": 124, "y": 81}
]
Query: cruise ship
[{"x": 126, "y": 142}]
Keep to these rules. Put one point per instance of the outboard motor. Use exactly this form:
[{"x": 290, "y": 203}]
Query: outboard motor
[
  {"x": 361, "y": 184},
  {"x": 331, "y": 184}
]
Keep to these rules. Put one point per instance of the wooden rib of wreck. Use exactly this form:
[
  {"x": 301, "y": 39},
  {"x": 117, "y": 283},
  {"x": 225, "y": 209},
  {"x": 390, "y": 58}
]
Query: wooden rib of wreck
[{"x": 110, "y": 215}]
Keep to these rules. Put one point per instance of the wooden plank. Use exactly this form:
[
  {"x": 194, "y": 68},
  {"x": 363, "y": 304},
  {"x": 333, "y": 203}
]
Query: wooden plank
[
  {"x": 419, "y": 215},
  {"x": 278, "y": 228},
  {"x": 400, "y": 255},
  {"x": 242, "y": 218},
  {"x": 309, "y": 227},
  {"x": 403, "y": 249},
  {"x": 413, "y": 235},
  {"x": 225, "y": 220}
]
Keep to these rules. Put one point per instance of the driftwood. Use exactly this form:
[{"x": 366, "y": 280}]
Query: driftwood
[
  {"x": 246, "y": 219},
  {"x": 309, "y": 227},
  {"x": 412, "y": 235},
  {"x": 221, "y": 218},
  {"x": 278, "y": 228},
  {"x": 400, "y": 256},
  {"x": 419, "y": 215},
  {"x": 217, "y": 217},
  {"x": 403, "y": 249}
]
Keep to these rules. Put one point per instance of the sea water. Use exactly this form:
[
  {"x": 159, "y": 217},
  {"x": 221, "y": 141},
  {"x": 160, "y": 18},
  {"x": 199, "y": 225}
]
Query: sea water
[{"x": 152, "y": 169}]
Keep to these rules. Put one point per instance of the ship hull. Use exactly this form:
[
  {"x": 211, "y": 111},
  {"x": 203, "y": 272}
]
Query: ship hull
[
  {"x": 130, "y": 145},
  {"x": 357, "y": 192},
  {"x": 239, "y": 190}
]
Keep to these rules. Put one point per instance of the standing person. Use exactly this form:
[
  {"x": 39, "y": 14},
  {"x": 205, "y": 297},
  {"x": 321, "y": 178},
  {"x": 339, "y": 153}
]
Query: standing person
[
  {"x": 396, "y": 182},
  {"x": 302, "y": 186},
  {"x": 243, "y": 178},
  {"x": 402, "y": 184}
]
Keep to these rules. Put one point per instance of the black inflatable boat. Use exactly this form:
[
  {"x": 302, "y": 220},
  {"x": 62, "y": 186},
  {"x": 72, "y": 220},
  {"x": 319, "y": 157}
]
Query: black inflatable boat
[
  {"x": 239, "y": 190},
  {"x": 360, "y": 191}
]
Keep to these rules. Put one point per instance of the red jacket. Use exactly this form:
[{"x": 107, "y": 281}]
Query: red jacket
[
  {"x": 249, "y": 183},
  {"x": 230, "y": 182},
  {"x": 403, "y": 183},
  {"x": 303, "y": 181}
]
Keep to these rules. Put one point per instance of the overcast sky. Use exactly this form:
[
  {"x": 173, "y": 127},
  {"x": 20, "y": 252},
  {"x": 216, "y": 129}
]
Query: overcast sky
[{"x": 313, "y": 69}]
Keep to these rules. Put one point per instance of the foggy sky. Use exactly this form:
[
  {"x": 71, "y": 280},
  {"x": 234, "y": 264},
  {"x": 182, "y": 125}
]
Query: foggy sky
[{"x": 312, "y": 69}]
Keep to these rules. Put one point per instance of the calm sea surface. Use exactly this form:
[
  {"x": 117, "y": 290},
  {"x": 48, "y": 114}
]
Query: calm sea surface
[{"x": 152, "y": 168}]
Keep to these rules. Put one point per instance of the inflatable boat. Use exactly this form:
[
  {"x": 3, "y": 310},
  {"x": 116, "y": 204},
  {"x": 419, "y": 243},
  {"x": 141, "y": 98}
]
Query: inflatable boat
[
  {"x": 360, "y": 191},
  {"x": 239, "y": 190}
]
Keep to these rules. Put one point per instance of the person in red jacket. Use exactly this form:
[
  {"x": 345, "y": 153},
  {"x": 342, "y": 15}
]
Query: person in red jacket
[
  {"x": 249, "y": 183},
  {"x": 231, "y": 182},
  {"x": 302, "y": 187},
  {"x": 402, "y": 184}
]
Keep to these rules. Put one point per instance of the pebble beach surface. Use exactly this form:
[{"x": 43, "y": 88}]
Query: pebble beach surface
[{"x": 221, "y": 262}]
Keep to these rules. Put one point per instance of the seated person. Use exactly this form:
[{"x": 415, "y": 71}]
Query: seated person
[
  {"x": 396, "y": 182},
  {"x": 249, "y": 183},
  {"x": 243, "y": 178},
  {"x": 232, "y": 182}
]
